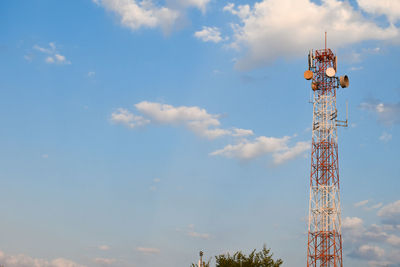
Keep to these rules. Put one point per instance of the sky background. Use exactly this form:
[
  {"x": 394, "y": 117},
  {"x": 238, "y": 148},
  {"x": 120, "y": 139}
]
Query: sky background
[{"x": 138, "y": 132}]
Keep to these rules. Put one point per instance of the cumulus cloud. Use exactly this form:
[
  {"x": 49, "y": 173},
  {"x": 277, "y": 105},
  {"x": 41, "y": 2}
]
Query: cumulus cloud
[
  {"x": 208, "y": 125},
  {"x": 285, "y": 28},
  {"x": 387, "y": 113},
  {"x": 136, "y": 14},
  {"x": 361, "y": 203},
  {"x": 128, "y": 119},
  {"x": 248, "y": 150},
  {"x": 22, "y": 260},
  {"x": 353, "y": 223},
  {"x": 209, "y": 34},
  {"x": 385, "y": 137},
  {"x": 368, "y": 252},
  {"x": 194, "y": 118},
  {"x": 390, "y": 213},
  {"x": 389, "y": 8},
  {"x": 263, "y": 145},
  {"x": 291, "y": 152},
  {"x": 147, "y": 250},
  {"x": 242, "y": 132},
  {"x": 53, "y": 56},
  {"x": 367, "y": 242}
]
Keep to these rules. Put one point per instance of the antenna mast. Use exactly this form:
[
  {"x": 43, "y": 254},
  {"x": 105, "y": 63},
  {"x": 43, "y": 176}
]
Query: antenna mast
[{"x": 324, "y": 247}]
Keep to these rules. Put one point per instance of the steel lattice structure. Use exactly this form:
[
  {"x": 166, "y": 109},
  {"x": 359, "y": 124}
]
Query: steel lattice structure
[{"x": 324, "y": 247}]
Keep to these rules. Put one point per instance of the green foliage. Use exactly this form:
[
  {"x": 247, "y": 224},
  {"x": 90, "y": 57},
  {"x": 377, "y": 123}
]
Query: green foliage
[{"x": 255, "y": 259}]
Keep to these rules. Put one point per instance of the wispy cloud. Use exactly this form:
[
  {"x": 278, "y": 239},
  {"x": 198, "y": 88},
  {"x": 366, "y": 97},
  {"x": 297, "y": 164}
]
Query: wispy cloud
[
  {"x": 385, "y": 137},
  {"x": 390, "y": 213},
  {"x": 361, "y": 203},
  {"x": 22, "y": 260},
  {"x": 387, "y": 113},
  {"x": 125, "y": 117},
  {"x": 52, "y": 55},
  {"x": 190, "y": 231},
  {"x": 262, "y": 145}
]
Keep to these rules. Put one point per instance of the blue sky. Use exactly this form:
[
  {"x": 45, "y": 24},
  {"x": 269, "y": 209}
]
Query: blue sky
[{"x": 136, "y": 133}]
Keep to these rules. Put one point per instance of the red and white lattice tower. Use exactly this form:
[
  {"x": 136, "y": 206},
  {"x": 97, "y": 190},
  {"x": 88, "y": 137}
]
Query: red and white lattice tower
[{"x": 324, "y": 247}]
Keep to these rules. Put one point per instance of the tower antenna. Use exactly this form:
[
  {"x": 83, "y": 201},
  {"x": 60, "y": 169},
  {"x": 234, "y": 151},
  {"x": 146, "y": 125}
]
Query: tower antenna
[{"x": 324, "y": 246}]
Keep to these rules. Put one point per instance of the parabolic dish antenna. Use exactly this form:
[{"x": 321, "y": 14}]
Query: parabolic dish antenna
[{"x": 330, "y": 72}]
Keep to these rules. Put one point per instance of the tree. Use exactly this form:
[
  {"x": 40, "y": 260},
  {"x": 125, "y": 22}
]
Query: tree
[{"x": 255, "y": 259}]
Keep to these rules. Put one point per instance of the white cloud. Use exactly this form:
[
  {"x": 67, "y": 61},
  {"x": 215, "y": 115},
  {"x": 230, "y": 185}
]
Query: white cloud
[
  {"x": 361, "y": 203},
  {"x": 390, "y": 213},
  {"x": 130, "y": 120},
  {"x": 209, "y": 34},
  {"x": 22, "y": 260},
  {"x": 104, "y": 261},
  {"x": 291, "y": 153},
  {"x": 285, "y": 28},
  {"x": 249, "y": 150},
  {"x": 202, "y": 123},
  {"x": 353, "y": 223},
  {"x": 156, "y": 180},
  {"x": 242, "y": 132},
  {"x": 29, "y": 57},
  {"x": 262, "y": 145},
  {"x": 394, "y": 240},
  {"x": 196, "y": 119},
  {"x": 49, "y": 60},
  {"x": 376, "y": 206},
  {"x": 50, "y": 50},
  {"x": 389, "y": 8},
  {"x": 53, "y": 56},
  {"x": 385, "y": 137},
  {"x": 147, "y": 250},
  {"x": 366, "y": 243},
  {"x": 388, "y": 113},
  {"x": 136, "y": 14},
  {"x": 91, "y": 74}
]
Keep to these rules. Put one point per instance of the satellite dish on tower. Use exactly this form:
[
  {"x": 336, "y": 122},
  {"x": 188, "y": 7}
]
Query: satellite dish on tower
[
  {"x": 308, "y": 75},
  {"x": 330, "y": 72}
]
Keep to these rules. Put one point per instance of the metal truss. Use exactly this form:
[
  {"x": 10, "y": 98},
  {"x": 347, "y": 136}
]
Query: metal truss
[{"x": 324, "y": 247}]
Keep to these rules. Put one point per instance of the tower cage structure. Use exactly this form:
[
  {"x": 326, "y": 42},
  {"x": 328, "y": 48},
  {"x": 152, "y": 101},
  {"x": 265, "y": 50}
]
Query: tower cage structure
[{"x": 324, "y": 248}]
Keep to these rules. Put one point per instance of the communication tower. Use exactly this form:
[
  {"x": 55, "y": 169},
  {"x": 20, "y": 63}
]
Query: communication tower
[{"x": 324, "y": 248}]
